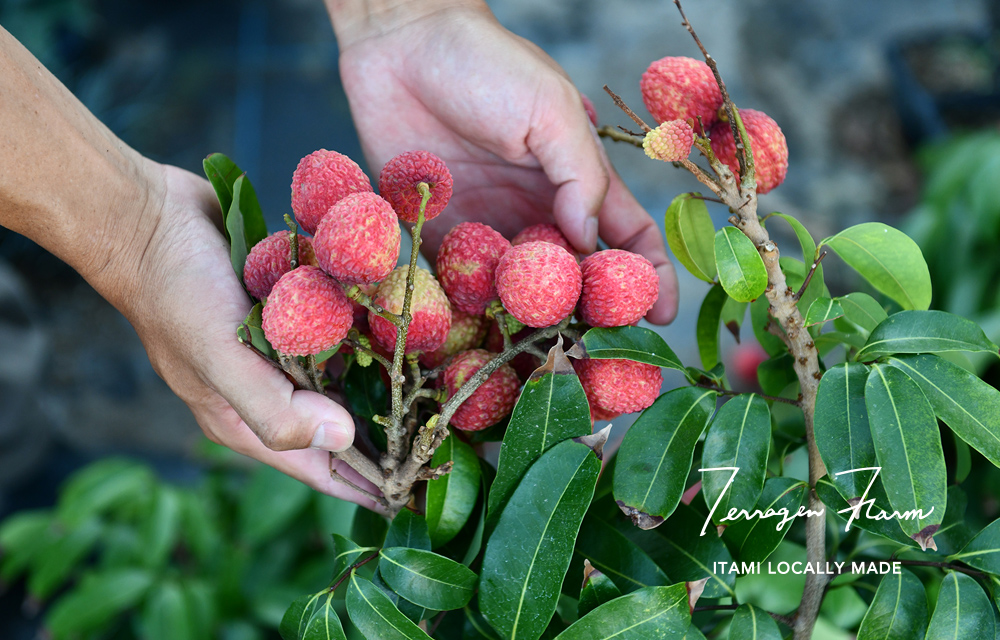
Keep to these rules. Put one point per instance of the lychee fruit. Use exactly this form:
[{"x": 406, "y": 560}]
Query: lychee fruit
[
  {"x": 430, "y": 310},
  {"x": 588, "y": 106},
  {"x": 358, "y": 241},
  {"x": 306, "y": 313},
  {"x": 539, "y": 283},
  {"x": 399, "y": 178},
  {"x": 320, "y": 180},
  {"x": 614, "y": 386},
  {"x": 270, "y": 259},
  {"x": 466, "y": 265},
  {"x": 679, "y": 88},
  {"x": 619, "y": 287},
  {"x": 770, "y": 150},
  {"x": 543, "y": 233},
  {"x": 670, "y": 142},
  {"x": 467, "y": 332},
  {"x": 493, "y": 400}
]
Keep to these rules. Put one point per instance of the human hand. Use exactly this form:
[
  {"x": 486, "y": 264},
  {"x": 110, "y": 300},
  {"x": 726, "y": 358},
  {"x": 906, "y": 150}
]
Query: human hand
[{"x": 446, "y": 77}]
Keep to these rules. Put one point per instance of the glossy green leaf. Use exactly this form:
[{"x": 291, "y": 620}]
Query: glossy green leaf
[
  {"x": 96, "y": 600},
  {"x": 628, "y": 343},
  {"x": 888, "y": 259},
  {"x": 690, "y": 234},
  {"x": 862, "y": 310},
  {"x": 925, "y": 332},
  {"x": 23, "y": 535},
  {"x": 527, "y": 556},
  {"x": 269, "y": 504},
  {"x": 899, "y": 610},
  {"x": 963, "y": 610},
  {"x": 843, "y": 436},
  {"x": 983, "y": 551},
  {"x": 222, "y": 173},
  {"x": 597, "y": 589},
  {"x": 760, "y": 317},
  {"x": 908, "y": 448},
  {"x": 653, "y": 613},
  {"x": 54, "y": 564},
  {"x": 655, "y": 457},
  {"x": 297, "y": 616},
  {"x": 823, "y": 310},
  {"x": 964, "y": 402},
  {"x": 817, "y": 285},
  {"x": 751, "y": 623},
  {"x": 707, "y": 327},
  {"x": 741, "y": 269},
  {"x": 408, "y": 529},
  {"x": 374, "y": 615},
  {"x": 776, "y": 373},
  {"x": 739, "y": 437},
  {"x": 452, "y": 497},
  {"x": 874, "y": 501},
  {"x": 167, "y": 613},
  {"x": 252, "y": 331},
  {"x": 414, "y": 612},
  {"x": 369, "y": 528},
  {"x": 427, "y": 579},
  {"x": 628, "y": 566},
  {"x": 244, "y": 223},
  {"x": 347, "y": 553},
  {"x": 756, "y": 536}
]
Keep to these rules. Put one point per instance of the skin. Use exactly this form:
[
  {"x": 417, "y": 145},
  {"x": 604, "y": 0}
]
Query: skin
[{"x": 147, "y": 236}]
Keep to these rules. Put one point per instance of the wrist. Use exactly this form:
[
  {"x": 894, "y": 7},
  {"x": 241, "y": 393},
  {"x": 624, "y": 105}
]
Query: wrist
[{"x": 355, "y": 20}]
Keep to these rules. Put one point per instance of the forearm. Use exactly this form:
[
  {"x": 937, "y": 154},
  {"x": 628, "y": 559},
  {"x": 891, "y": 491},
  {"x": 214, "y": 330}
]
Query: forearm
[{"x": 353, "y": 19}]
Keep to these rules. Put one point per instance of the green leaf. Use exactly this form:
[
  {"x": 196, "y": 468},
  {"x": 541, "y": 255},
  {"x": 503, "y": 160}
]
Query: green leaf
[
  {"x": 908, "y": 448},
  {"x": 347, "y": 553},
  {"x": 53, "y": 565},
  {"x": 983, "y": 551},
  {"x": 690, "y": 234},
  {"x": 244, "y": 223},
  {"x": 452, "y": 497},
  {"x": 222, "y": 173},
  {"x": 367, "y": 396},
  {"x": 655, "y": 457},
  {"x": 654, "y": 613},
  {"x": 816, "y": 285},
  {"x": 23, "y": 536},
  {"x": 888, "y": 259},
  {"x": 843, "y": 436},
  {"x": 96, "y": 601},
  {"x": 741, "y": 269},
  {"x": 527, "y": 556},
  {"x": 899, "y": 610},
  {"x": 760, "y": 317},
  {"x": 925, "y": 332},
  {"x": 102, "y": 486},
  {"x": 369, "y": 528},
  {"x": 269, "y": 504},
  {"x": 755, "y": 538},
  {"x": 597, "y": 589},
  {"x": 888, "y": 529},
  {"x": 161, "y": 529},
  {"x": 427, "y": 579},
  {"x": 751, "y": 623},
  {"x": 963, "y": 610},
  {"x": 373, "y": 613},
  {"x": 739, "y": 437},
  {"x": 167, "y": 614},
  {"x": 252, "y": 331},
  {"x": 629, "y": 343},
  {"x": 776, "y": 373},
  {"x": 862, "y": 310},
  {"x": 628, "y": 566},
  {"x": 965, "y": 403},
  {"x": 408, "y": 529},
  {"x": 795, "y": 276},
  {"x": 552, "y": 407},
  {"x": 823, "y": 310},
  {"x": 414, "y": 612},
  {"x": 707, "y": 328}
]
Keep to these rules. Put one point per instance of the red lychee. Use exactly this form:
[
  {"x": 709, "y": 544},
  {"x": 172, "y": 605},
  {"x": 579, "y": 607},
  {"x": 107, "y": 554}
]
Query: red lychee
[
  {"x": 543, "y": 233},
  {"x": 270, "y": 259},
  {"x": 306, "y": 313},
  {"x": 678, "y": 88},
  {"x": 670, "y": 142},
  {"x": 466, "y": 265},
  {"x": 467, "y": 332},
  {"x": 619, "y": 287},
  {"x": 358, "y": 241},
  {"x": 399, "y": 178},
  {"x": 618, "y": 386},
  {"x": 429, "y": 308},
  {"x": 538, "y": 283},
  {"x": 493, "y": 400},
  {"x": 770, "y": 150},
  {"x": 320, "y": 181}
]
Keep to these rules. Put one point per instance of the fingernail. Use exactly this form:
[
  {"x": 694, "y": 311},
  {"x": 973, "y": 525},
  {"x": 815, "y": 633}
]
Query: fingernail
[
  {"x": 590, "y": 233},
  {"x": 333, "y": 436}
]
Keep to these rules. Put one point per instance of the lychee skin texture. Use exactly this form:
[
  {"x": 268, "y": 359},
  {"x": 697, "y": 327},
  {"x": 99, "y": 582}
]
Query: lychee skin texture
[
  {"x": 670, "y": 142},
  {"x": 270, "y": 259},
  {"x": 679, "y": 88},
  {"x": 358, "y": 241},
  {"x": 493, "y": 400},
  {"x": 321, "y": 180},
  {"x": 399, "y": 178},
  {"x": 618, "y": 386},
  {"x": 619, "y": 288},
  {"x": 543, "y": 233},
  {"x": 430, "y": 310},
  {"x": 539, "y": 283},
  {"x": 466, "y": 265},
  {"x": 306, "y": 313},
  {"x": 467, "y": 332},
  {"x": 770, "y": 150}
]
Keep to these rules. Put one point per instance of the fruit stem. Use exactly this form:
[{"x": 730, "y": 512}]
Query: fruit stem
[{"x": 293, "y": 242}]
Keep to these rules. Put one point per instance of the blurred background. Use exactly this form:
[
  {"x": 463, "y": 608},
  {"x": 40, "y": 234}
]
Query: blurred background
[{"x": 890, "y": 110}]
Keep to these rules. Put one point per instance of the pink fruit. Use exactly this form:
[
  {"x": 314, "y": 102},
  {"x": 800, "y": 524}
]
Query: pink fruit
[
  {"x": 429, "y": 308},
  {"x": 491, "y": 401},
  {"x": 770, "y": 150},
  {"x": 539, "y": 283},
  {"x": 399, "y": 178},
  {"x": 320, "y": 181},
  {"x": 614, "y": 387},
  {"x": 466, "y": 265},
  {"x": 306, "y": 313},
  {"x": 670, "y": 142},
  {"x": 543, "y": 233},
  {"x": 270, "y": 259},
  {"x": 678, "y": 88},
  {"x": 358, "y": 241},
  {"x": 619, "y": 287}
]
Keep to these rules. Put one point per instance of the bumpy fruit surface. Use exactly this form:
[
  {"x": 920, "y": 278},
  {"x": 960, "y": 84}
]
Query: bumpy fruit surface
[
  {"x": 321, "y": 180},
  {"x": 399, "y": 178},
  {"x": 543, "y": 233},
  {"x": 614, "y": 387},
  {"x": 429, "y": 308},
  {"x": 539, "y": 283},
  {"x": 770, "y": 150},
  {"x": 467, "y": 332},
  {"x": 619, "y": 287},
  {"x": 306, "y": 313},
  {"x": 670, "y": 142},
  {"x": 270, "y": 259},
  {"x": 466, "y": 265},
  {"x": 358, "y": 241},
  {"x": 678, "y": 88},
  {"x": 491, "y": 401}
]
